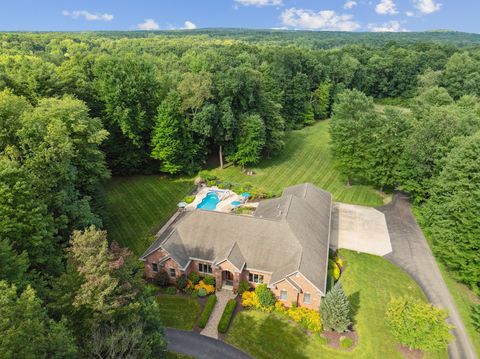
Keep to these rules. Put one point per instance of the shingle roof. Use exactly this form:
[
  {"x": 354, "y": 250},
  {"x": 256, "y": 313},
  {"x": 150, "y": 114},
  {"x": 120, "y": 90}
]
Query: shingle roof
[{"x": 285, "y": 235}]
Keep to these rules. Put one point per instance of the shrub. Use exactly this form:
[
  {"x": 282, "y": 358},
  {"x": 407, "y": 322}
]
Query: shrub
[
  {"x": 243, "y": 286},
  {"x": 202, "y": 292},
  {"x": 333, "y": 269},
  {"x": 346, "y": 342},
  {"x": 280, "y": 307},
  {"x": 307, "y": 318},
  {"x": 209, "y": 289},
  {"x": 476, "y": 317},
  {"x": 339, "y": 262},
  {"x": 266, "y": 298},
  {"x": 207, "y": 311},
  {"x": 182, "y": 282},
  {"x": 189, "y": 199},
  {"x": 207, "y": 176},
  {"x": 418, "y": 325},
  {"x": 194, "y": 277},
  {"x": 227, "y": 316},
  {"x": 250, "y": 300},
  {"x": 209, "y": 280},
  {"x": 321, "y": 339},
  {"x": 161, "y": 278},
  {"x": 194, "y": 294},
  {"x": 171, "y": 290},
  {"x": 335, "y": 310},
  {"x": 211, "y": 183}
]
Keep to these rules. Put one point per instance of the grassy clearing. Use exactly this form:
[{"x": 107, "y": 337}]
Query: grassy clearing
[
  {"x": 139, "y": 205},
  {"x": 370, "y": 282},
  {"x": 178, "y": 312},
  {"x": 306, "y": 158},
  {"x": 171, "y": 355}
]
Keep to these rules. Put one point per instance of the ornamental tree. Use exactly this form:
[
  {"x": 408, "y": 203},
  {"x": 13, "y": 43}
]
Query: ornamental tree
[{"x": 418, "y": 325}]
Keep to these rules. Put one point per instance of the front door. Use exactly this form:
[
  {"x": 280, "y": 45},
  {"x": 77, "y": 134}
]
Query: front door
[{"x": 227, "y": 277}]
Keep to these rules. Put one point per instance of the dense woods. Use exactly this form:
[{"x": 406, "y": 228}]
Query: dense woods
[{"x": 77, "y": 108}]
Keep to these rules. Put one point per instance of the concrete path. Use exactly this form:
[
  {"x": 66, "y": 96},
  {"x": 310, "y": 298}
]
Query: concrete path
[
  {"x": 412, "y": 253},
  {"x": 200, "y": 346},
  {"x": 223, "y": 296},
  {"x": 360, "y": 229}
]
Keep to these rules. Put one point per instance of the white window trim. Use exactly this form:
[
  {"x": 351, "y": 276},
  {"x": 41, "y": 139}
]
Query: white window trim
[
  {"x": 309, "y": 298},
  {"x": 286, "y": 294},
  {"x": 258, "y": 278}
]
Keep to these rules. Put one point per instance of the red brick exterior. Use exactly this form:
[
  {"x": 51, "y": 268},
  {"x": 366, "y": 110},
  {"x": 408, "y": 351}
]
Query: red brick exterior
[{"x": 294, "y": 295}]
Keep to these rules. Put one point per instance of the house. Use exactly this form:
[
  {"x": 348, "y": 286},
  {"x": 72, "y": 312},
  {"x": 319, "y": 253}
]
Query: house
[{"x": 284, "y": 244}]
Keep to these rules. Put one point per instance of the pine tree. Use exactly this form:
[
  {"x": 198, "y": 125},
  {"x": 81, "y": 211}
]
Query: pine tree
[{"x": 335, "y": 310}]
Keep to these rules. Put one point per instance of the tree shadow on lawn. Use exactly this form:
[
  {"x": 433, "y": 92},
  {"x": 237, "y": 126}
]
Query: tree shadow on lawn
[
  {"x": 272, "y": 337},
  {"x": 354, "y": 299}
]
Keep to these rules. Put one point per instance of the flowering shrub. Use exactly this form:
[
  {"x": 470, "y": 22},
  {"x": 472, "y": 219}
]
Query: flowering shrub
[
  {"x": 209, "y": 289},
  {"x": 280, "y": 307},
  {"x": 339, "y": 262},
  {"x": 307, "y": 318},
  {"x": 250, "y": 300},
  {"x": 333, "y": 269}
]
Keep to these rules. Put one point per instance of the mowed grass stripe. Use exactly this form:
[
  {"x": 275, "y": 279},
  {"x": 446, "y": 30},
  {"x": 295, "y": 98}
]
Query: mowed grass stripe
[
  {"x": 306, "y": 158},
  {"x": 140, "y": 205}
]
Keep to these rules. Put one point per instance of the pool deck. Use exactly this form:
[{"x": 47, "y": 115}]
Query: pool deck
[{"x": 226, "y": 197}]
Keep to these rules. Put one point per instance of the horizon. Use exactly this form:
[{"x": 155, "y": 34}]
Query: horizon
[{"x": 303, "y": 15}]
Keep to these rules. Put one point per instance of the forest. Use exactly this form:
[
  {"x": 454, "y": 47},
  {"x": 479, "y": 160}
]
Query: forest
[{"x": 78, "y": 108}]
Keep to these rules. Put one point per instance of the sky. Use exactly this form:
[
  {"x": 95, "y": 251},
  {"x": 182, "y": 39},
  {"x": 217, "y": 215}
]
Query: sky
[{"x": 338, "y": 15}]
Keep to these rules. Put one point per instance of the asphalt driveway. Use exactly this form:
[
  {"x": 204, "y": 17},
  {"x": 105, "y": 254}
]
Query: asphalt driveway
[
  {"x": 412, "y": 253},
  {"x": 200, "y": 346}
]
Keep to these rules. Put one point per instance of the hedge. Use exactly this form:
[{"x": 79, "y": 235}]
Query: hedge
[
  {"x": 207, "y": 311},
  {"x": 227, "y": 316}
]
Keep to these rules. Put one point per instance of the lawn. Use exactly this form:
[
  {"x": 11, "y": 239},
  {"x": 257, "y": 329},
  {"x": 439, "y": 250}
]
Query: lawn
[
  {"x": 370, "y": 282},
  {"x": 139, "y": 205},
  {"x": 179, "y": 312},
  {"x": 305, "y": 158}
]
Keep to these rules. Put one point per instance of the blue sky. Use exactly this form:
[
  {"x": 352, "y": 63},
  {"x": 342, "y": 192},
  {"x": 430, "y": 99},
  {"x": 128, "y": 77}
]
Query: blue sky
[{"x": 345, "y": 15}]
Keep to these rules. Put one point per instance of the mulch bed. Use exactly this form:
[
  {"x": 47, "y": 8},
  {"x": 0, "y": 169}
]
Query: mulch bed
[
  {"x": 334, "y": 339},
  {"x": 410, "y": 353}
]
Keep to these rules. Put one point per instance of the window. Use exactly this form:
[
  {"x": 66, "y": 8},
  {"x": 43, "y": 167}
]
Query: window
[
  {"x": 204, "y": 268},
  {"x": 172, "y": 272},
  {"x": 155, "y": 267},
  {"x": 283, "y": 294},
  {"x": 306, "y": 298},
  {"x": 255, "y": 278}
]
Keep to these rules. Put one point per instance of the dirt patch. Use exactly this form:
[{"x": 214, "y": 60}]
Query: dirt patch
[
  {"x": 410, "y": 353},
  {"x": 334, "y": 339}
]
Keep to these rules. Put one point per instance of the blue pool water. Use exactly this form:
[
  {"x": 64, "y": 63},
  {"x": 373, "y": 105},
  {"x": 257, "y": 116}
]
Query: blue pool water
[
  {"x": 210, "y": 202},
  {"x": 236, "y": 203}
]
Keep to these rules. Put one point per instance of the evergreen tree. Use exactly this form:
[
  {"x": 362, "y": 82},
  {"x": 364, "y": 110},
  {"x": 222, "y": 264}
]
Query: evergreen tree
[{"x": 335, "y": 310}]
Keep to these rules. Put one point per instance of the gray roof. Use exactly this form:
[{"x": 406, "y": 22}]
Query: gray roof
[{"x": 285, "y": 235}]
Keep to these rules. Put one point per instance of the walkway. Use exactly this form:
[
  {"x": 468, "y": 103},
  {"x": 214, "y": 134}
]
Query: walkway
[
  {"x": 223, "y": 296},
  {"x": 200, "y": 346},
  {"x": 412, "y": 253}
]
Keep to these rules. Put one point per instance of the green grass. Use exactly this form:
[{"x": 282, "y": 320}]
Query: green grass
[
  {"x": 464, "y": 298},
  {"x": 178, "y": 312},
  {"x": 370, "y": 282},
  {"x": 139, "y": 205},
  {"x": 305, "y": 158},
  {"x": 171, "y": 355}
]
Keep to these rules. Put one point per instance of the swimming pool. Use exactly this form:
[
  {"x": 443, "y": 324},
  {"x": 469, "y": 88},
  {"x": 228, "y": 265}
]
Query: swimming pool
[
  {"x": 236, "y": 203},
  {"x": 209, "y": 202}
]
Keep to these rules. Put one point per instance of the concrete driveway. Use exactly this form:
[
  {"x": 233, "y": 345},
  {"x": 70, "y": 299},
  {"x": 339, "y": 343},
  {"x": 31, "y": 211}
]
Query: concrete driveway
[{"x": 359, "y": 228}]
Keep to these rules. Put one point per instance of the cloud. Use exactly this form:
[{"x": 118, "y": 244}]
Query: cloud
[
  {"x": 148, "y": 24},
  {"x": 75, "y": 14},
  {"x": 350, "y": 4},
  {"x": 427, "y": 6},
  {"x": 259, "y": 3},
  {"x": 188, "y": 25},
  {"x": 409, "y": 13},
  {"x": 321, "y": 20},
  {"x": 391, "y": 26},
  {"x": 386, "y": 7}
]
